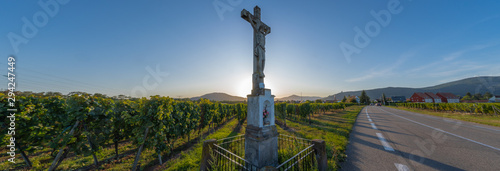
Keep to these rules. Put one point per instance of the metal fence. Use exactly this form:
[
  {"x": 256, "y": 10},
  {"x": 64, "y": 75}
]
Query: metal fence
[
  {"x": 234, "y": 144},
  {"x": 229, "y": 154},
  {"x": 223, "y": 159},
  {"x": 294, "y": 153}
]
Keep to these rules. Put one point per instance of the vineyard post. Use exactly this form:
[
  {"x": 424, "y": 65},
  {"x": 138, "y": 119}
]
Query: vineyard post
[
  {"x": 116, "y": 140},
  {"x": 138, "y": 156},
  {"x": 116, "y": 148},
  {"x": 159, "y": 158},
  {"x": 65, "y": 153},
  {"x": 96, "y": 162},
  {"x": 53, "y": 166},
  {"x": 495, "y": 110},
  {"x": 25, "y": 157}
]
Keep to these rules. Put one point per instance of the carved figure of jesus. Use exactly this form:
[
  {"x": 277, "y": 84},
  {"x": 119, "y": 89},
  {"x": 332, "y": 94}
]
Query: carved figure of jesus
[{"x": 260, "y": 30}]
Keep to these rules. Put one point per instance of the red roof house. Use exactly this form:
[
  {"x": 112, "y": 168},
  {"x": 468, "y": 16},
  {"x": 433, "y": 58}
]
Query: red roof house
[
  {"x": 448, "y": 98},
  {"x": 421, "y": 97},
  {"x": 435, "y": 98}
]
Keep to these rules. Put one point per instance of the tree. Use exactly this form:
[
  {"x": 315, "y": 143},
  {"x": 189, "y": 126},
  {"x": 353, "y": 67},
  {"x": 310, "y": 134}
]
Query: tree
[
  {"x": 344, "y": 99},
  {"x": 384, "y": 99},
  {"x": 364, "y": 99},
  {"x": 48, "y": 94},
  {"x": 487, "y": 95},
  {"x": 318, "y": 101},
  {"x": 352, "y": 99},
  {"x": 467, "y": 96},
  {"x": 477, "y": 96}
]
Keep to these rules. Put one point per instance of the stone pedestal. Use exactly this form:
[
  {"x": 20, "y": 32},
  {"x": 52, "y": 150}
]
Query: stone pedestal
[
  {"x": 256, "y": 106},
  {"x": 261, "y": 146},
  {"x": 261, "y": 137}
]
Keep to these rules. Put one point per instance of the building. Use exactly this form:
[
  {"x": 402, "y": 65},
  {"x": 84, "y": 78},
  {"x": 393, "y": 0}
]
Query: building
[
  {"x": 352, "y": 98},
  {"x": 435, "y": 98},
  {"x": 397, "y": 99},
  {"x": 420, "y": 98},
  {"x": 448, "y": 98},
  {"x": 494, "y": 99},
  {"x": 357, "y": 99}
]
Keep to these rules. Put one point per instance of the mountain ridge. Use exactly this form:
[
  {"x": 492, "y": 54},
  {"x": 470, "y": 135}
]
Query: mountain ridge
[
  {"x": 219, "y": 96},
  {"x": 481, "y": 84},
  {"x": 298, "y": 98}
]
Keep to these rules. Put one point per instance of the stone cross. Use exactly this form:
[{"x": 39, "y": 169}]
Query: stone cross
[
  {"x": 260, "y": 30},
  {"x": 261, "y": 135}
]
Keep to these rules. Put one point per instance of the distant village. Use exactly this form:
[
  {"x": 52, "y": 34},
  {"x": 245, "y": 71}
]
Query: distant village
[
  {"x": 429, "y": 97},
  {"x": 420, "y": 97}
]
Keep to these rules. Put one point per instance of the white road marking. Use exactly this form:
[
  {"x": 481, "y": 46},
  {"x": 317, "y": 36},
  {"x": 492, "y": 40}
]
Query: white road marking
[
  {"x": 384, "y": 142},
  {"x": 486, "y": 145},
  {"x": 401, "y": 167},
  {"x": 373, "y": 126},
  {"x": 368, "y": 116}
]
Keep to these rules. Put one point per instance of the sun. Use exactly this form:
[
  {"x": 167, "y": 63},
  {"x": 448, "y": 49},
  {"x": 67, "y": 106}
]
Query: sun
[{"x": 243, "y": 87}]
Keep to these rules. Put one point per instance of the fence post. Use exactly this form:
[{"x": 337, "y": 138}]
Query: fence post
[
  {"x": 205, "y": 154},
  {"x": 320, "y": 151}
]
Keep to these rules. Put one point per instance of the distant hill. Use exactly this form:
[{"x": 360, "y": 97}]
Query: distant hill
[
  {"x": 219, "y": 97},
  {"x": 298, "y": 98},
  {"x": 460, "y": 87}
]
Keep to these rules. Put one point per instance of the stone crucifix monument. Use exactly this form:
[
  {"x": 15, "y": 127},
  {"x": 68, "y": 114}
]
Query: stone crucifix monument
[{"x": 261, "y": 137}]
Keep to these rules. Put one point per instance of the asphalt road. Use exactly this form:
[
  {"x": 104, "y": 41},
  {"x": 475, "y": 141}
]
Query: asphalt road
[{"x": 389, "y": 139}]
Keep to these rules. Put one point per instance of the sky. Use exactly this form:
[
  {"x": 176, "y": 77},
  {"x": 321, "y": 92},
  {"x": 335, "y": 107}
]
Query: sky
[{"x": 192, "y": 47}]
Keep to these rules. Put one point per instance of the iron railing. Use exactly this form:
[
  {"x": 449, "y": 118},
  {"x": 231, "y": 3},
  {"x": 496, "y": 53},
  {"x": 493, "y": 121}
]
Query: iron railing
[
  {"x": 304, "y": 160},
  {"x": 235, "y": 144},
  {"x": 294, "y": 153},
  {"x": 223, "y": 159}
]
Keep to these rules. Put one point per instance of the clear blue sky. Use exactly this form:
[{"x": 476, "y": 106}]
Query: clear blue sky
[{"x": 106, "y": 46}]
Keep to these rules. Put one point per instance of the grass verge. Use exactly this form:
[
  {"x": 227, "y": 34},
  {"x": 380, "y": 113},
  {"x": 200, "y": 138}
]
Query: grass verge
[
  {"x": 481, "y": 119},
  {"x": 332, "y": 127}
]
